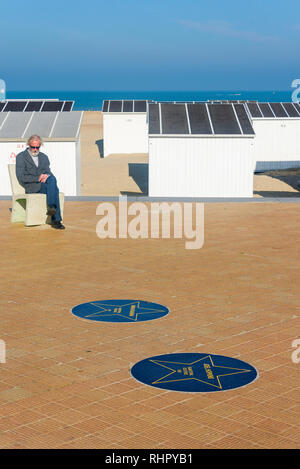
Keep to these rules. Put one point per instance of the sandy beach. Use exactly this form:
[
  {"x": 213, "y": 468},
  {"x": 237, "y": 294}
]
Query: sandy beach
[
  {"x": 122, "y": 174},
  {"x": 108, "y": 176}
]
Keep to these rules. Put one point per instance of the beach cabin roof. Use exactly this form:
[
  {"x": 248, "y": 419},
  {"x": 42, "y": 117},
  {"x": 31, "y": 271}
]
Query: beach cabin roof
[
  {"x": 273, "y": 110},
  {"x": 123, "y": 105},
  {"x": 203, "y": 119},
  {"x": 227, "y": 101},
  {"x": 40, "y": 105},
  {"x": 51, "y": 126}
]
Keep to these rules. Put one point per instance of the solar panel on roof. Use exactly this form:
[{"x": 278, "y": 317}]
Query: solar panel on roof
[
  {"x": 15, "y": 125},
  {"x": 115, "y": 106},
  {"x": 184, "y": 102},
  {"x": 33, "y": 106},
  {"x": 266, "y": 110},
  {"x": 21, "y": 125},
  {"x": 3, "y": 116},
  {"x": 66, "y": 125},
  {"x": 40, "y": 124},
  {"x": 278, "y": 110},
  {"x": 127, "y": 106},
  {"x": 15, "y": 106},
  {"x": 105, "y": 106},
  {"x": 154, "y": 119},
  {"x": 52, "y": 106},
  {"x": 140, "y": 106},
  {"x": 273, "y": 110},
  {"x": 199, "y": 120},
  {"x": 254, "y": 110},
  {"x": 174, "y": 119},
  {"x": 290, "y": 109},
  {"x": 223, "y": 119},
  {"x": 68, "y": 106},
  {"x": 243, "y": 118},
  {"x": 232, "y": 101},
  {"x": 297, "y": 106}
]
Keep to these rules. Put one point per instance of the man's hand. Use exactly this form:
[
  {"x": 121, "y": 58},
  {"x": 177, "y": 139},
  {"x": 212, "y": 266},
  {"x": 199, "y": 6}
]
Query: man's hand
[{"x": 43, "y": 177}]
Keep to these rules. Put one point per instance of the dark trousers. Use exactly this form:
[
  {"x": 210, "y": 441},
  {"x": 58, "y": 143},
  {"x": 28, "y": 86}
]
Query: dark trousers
[{"x": 52, "y": 192}]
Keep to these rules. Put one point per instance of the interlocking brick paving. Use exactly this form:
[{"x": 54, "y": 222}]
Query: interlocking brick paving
[{"x": 66, "y": 382}]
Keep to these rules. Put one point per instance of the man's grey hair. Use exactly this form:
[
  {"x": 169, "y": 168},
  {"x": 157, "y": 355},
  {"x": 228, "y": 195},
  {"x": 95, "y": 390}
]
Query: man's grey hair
[{"x": 34, "y": 137}]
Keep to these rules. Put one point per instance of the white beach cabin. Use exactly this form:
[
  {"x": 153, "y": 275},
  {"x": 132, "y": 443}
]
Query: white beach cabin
[
  {"x": 60, "y": 132},
  {"x": 125, "y": 128},
  {"x": 277, "y": 135},
  {"x": 200, "y": 150}
]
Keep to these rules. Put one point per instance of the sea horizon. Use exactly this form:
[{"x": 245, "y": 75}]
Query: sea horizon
[{"x": 92, "y": 100}]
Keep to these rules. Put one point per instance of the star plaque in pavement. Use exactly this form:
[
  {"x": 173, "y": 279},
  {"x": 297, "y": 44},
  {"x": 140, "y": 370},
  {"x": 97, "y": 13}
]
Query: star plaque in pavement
[
  {"x": 120, "y": 311},
  {"x": 192, "y": 372}
]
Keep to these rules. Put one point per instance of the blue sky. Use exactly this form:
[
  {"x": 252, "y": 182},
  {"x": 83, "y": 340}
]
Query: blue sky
[{"x": 150, "y": 44}]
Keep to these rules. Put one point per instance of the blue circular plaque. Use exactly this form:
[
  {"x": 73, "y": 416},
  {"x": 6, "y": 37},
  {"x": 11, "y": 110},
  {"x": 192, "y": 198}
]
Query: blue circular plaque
[
  {"x": 194, "y": 372},
  {"x": 120, "y": 311}
]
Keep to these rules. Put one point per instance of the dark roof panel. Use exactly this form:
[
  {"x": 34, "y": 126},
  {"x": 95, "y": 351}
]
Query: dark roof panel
[
  {"x": 127, "y": 105},
  {"x": 174, "y": 119},
  {"x": 68, "y": 106},
  {"x": 154, "y": 119},
  {"x": 254, "y": 110},
  {"x": 52, "y": 106},
  {"x": 244, "y": 120},
  {"x": 223, "y": 119},
  {"x": 15, "y": 106},
  {"x": 290, "y": 109},
  {"x": 278, "y": 110},
  {"x": 33, "y": 106},
  {"x": 199, "y": 119},
  {"x": 266, "y": 110}
]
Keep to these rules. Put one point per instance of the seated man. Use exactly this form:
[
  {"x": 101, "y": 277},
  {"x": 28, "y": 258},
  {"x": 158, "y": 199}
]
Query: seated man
[{"x": 33, "y": 173}]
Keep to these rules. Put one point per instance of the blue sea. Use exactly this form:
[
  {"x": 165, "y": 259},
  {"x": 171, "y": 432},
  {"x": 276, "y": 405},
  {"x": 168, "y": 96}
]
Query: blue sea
[{"x": 92, "y": 100}]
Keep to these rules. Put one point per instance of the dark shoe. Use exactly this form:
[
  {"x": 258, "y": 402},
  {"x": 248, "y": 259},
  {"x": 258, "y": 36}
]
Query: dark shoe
[
  {"x": 57, "y": 225},
  {"x": 51, "y": 211}
]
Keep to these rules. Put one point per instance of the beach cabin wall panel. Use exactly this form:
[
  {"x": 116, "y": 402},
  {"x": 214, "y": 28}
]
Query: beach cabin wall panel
[
  {"x": 8, "y": 152},
  {"x": 277, "y": 143},
  {"x": 201, "y": 167},
  {"x": 125, "y": 133},
  {"x": 65, "y": 163}
]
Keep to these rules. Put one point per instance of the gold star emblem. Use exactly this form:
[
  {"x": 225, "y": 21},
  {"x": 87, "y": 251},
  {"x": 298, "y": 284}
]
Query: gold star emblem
[
  {"x": 132, "y": 310},
  {"x": 203, "y": 370}
]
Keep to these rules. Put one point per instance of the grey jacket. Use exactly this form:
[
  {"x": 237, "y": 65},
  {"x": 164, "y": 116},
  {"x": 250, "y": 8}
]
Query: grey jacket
[{"x": 28, "y": 173}]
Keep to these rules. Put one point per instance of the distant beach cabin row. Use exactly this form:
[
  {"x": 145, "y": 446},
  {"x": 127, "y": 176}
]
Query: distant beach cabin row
[
  {"x": 196, "y": 149},
  {"x": 207, "y": 149}
]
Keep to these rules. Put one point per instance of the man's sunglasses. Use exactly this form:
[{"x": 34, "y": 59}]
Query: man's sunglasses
[{"x": 35, "y": 148}]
